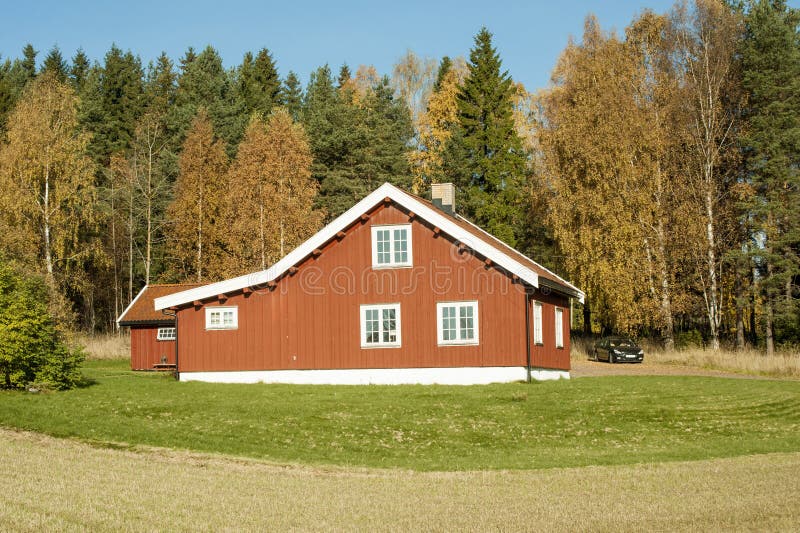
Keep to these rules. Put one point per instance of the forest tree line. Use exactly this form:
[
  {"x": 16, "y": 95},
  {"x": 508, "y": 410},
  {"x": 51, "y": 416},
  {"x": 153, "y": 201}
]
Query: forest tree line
[{"x": 658, "y": 171}]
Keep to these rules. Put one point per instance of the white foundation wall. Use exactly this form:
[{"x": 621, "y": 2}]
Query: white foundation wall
[{"x": 380, "y": 376}]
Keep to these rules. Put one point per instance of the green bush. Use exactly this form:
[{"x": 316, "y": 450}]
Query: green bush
[
  {"x": 32, "y": 351},
  {"x": 689, "y": 339}
]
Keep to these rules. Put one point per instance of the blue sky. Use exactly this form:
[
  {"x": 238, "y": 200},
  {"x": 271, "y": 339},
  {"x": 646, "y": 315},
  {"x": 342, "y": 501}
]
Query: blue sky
[{"x": 305, "y": 34}]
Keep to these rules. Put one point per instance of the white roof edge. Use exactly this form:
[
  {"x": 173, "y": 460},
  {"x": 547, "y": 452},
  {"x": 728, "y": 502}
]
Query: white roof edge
[
  {"x": 581, "y": 294},
  {"x": 330, "y": 231},
  {"x": 119, "y": 318}
]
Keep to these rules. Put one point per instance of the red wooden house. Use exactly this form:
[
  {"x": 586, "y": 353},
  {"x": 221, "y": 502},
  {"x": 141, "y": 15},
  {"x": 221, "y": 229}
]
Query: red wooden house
[
  {"x": 395, "y": 290},
  {"x": 152, "y": 332}
]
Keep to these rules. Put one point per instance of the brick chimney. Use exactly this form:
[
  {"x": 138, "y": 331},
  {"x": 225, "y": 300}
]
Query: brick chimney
[{"x": 443, "y": 196}]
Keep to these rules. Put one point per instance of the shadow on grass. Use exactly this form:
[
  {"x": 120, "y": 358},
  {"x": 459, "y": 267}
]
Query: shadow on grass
[{"x": 85, "y": 382}]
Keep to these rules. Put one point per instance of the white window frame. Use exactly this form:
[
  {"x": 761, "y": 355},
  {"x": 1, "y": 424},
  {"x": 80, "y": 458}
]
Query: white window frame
[
  {"x": 559, "y": 320},
  {"x": 363, "y": 320},
  {"x": 166, "y": 334},
  {"x": 221, "y": 309},
  {"x": 538, "y": 326},
  {"x": 392, "y": 263},
  {"x": 458, "y": 341}
]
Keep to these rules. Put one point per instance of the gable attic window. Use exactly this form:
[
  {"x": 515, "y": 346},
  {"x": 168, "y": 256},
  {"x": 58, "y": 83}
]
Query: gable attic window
[
  {"x": 165, "y": 334},
  {"x": 457, "y": 323},
  {"x": 222, "y": 317},
  {"x": 391, "y": 246},
  {"x": 380, "y": 326}
]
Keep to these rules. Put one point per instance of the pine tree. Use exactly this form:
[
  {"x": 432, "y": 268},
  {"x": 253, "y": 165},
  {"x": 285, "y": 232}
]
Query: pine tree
[
  {"x": 6, "y": 93},
  {"x": 196, "y": 221},
  {"x": 79, "y": 70},
  {"x": 488, "y": 163},
  {"x": 344, "y": 76},
  {"x": 444, "y": 68},
  {"x": 203, "y": 82},
  {"x": 771, "y": 76},
  {"x": 119, "y": 105},
  {"x": 389, "y": 131},
  {"x": 56, "y": 65},
  {"x": 357, "y": 145},
  {"x": 291, "y": 96},
  {"x": 259, "y": 83},
  {"x": 160, "y": 85},
  {"x": 14, "y": 76},
  {"x": 28, "y": 62}
]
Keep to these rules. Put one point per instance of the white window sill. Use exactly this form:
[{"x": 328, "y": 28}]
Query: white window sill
[
  {"x": 459, "y": 343},
  {"x": 389, "y": 267},
  {"x": 373, "y": 346}
]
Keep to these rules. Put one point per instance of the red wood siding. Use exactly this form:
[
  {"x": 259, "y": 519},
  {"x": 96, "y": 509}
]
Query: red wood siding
[
  {"x": 311, "y": 320},
  {"x": 547, "y": 355},
  {"x": 146, "y": 350}
]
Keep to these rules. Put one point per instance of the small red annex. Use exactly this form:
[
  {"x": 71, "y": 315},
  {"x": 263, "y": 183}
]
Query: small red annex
[
  {"x": 152, "y": 332},
  {"x": 395, "y": 290}
]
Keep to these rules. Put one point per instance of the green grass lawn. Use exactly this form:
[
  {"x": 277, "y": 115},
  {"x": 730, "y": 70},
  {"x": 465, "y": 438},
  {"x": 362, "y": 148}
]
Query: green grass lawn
[{"x": 590, "y": 421}]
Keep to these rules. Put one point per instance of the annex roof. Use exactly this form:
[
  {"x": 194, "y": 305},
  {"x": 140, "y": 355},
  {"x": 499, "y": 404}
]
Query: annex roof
[
  {"x": 142, "y": 310},
  {"x": 456, "y": 227}
]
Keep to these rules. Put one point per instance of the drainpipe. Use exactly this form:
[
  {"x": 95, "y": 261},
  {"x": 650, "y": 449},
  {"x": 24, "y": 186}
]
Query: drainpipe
[
  {"x": 528, "y": 335},
  {"x": 175, "y": 316}
]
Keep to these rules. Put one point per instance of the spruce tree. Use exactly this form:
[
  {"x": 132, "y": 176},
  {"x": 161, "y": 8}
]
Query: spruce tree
[
  {"x": 258, "y": 82},
  {"x": 28, "y": 62},
  {"x": 771, "y": 75},
  {"x": 344, "y": 76},
  {"x": 444, "y": 67},
  {"x": 16, "y": 75},
  {"x": 55, "y": 65},
  {"x": 79, "y": 70},
  {"x": 486, "y": 159},
  {"x": 7, "y": 96},
  {"x": 291, "y": 96},
  {"x": 388, "y": 131},
  {"x": 203, "y": 81},
  {"x": 356, "y": 146},
  {"x": 121, "y": 103},
  {"x": 160, "y": 84}
]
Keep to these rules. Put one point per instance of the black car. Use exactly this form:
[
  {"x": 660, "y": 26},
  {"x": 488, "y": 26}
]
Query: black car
[{"x": 618, "y": 350}]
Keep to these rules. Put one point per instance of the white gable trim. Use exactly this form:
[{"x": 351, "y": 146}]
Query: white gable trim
[
  {"x": 125, "y": 312},
  {"x": 329, "y": 232},
  {"x": 562, "y": 281}
]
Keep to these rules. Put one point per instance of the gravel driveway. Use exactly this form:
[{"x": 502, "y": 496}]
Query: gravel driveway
[{"x": 582, "y": 368}]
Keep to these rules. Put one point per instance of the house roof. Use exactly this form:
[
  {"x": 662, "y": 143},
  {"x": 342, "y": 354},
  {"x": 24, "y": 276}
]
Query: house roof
[
  {"x": 545, "y": 275},
  {"x": 141, "y": 310},
  {"x": 456, "y": 227}
]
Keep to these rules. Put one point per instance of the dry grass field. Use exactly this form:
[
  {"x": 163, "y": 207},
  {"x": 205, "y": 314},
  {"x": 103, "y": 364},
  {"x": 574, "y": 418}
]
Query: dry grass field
[
  {"x": 53, "y": 484},
  {"x": 104, "y": 347},
  {"x": 784, "y": 364}
]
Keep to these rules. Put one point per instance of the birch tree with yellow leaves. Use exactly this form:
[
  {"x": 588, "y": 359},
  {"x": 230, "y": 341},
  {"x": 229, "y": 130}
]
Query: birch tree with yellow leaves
[
  {"x": 47, "y": 193},
  {"x": 195, "y": 218},
  {"x": 436, "y": 124},
  {"x": 271, "y": 194},
  {"x": 599, "y": 157}
]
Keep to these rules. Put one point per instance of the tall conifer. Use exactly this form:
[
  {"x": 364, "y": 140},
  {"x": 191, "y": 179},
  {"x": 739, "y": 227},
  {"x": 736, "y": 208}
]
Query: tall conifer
[
  {"x": 486, "y": 158},
  {"x": 771, "y": 75}
]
